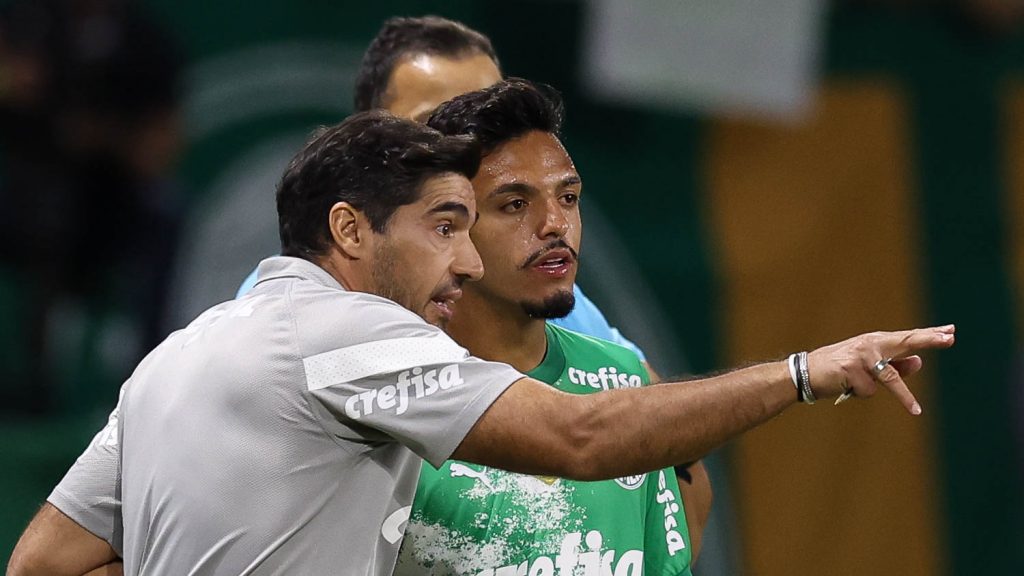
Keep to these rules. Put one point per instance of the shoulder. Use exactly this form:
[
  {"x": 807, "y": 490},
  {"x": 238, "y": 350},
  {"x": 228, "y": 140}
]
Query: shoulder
[
  {"x": 592, "y": 344},
  {"x": 594, "y": 352},
  {"x": 326, "y": 318},
  {"x": 311, "y": 298},
  {"x": 585, "y": 317}
]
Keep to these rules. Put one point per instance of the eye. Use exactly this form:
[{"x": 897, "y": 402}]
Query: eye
[
  {"x": 445, "y": 230},
  {"x": 514, "y": 206},
  {"x": 571, "y": 199}
]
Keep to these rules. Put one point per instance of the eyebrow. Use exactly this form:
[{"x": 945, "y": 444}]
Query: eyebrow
[
  {"x": 451, "y": 207},
  {"x": 519, "y": 187}
]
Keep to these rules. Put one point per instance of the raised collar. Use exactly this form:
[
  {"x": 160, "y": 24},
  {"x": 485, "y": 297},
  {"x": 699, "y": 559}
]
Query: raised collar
[{"x": 289, "y": 267}]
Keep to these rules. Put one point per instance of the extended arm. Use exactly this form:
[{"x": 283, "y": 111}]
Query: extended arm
[
  {"x": 535, "y": 429},
  {"x": 54, "y": 545}
]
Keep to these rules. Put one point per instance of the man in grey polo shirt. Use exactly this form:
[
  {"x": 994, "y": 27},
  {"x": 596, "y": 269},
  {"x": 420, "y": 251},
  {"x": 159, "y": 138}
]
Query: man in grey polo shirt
[
  {"x": 279, "y": 433},
  {"x": 296, "y": 409}
]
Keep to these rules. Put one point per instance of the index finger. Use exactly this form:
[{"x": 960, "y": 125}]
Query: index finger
[
  {"x": 890, "y": 378},
  {"x": 899, "y": 344}
]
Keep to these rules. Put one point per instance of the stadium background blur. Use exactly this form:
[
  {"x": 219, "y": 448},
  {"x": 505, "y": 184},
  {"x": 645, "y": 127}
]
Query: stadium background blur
[{"x": 761, "y": 176}]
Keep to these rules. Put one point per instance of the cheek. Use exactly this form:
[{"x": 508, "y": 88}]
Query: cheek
[
  {"x": 418, "y": 263},
  {"x": 498, "y": 245},
  {"x": 576, "y": 231}
]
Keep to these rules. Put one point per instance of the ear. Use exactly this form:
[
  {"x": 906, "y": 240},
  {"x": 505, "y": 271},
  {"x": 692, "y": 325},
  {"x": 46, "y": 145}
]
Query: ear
[{"x": 350, "y": 230}]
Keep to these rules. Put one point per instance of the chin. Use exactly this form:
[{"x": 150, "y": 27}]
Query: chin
[
  {"x": 556, "y": 305},
  {"x": 433, "y": 318}
]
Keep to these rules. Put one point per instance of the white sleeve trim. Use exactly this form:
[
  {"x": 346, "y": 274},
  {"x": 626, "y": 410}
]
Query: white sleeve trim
[{"x": 353, "y": 363}]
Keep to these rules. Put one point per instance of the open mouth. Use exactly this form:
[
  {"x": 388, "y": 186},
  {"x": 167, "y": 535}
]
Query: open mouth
[
  {"x": 444, "y": 303},
  {"x": 556, "y": 263}
]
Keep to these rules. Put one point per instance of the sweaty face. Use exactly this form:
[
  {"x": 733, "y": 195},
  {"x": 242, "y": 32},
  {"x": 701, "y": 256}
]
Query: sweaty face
[
  {"x": 420, "y": 82},
  {"x": 425, "y": 253},
  {"x": 529, "y": 231}
]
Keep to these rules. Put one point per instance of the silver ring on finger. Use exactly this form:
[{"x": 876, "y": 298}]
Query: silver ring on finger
[{"x": 879, "y": 366}]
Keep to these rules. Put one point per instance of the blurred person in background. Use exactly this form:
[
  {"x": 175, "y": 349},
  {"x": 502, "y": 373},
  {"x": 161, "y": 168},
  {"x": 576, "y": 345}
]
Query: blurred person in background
[{"x": 89, "y": 125}]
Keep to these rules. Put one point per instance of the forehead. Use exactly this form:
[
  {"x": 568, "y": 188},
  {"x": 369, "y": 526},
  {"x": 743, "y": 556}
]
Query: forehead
[
  {"x": 420, "y": 82},
  {"x": 443, "y": 188},
  {"x": 534, "y": 158}
]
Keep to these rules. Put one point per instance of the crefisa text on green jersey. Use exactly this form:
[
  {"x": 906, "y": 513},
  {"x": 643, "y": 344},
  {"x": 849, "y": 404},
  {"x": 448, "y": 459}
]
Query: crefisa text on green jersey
[{"x": 606, "y": 378}]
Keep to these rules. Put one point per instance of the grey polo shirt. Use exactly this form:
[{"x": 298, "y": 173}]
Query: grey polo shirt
[{"x": 279, "y": 433}]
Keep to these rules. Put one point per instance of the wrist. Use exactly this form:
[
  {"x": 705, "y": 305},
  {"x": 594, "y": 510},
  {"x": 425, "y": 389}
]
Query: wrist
[
  {"x": 825, "y": 383},
  {"x": 782, "y": 380},
  {"x": 800, "y": 374}
]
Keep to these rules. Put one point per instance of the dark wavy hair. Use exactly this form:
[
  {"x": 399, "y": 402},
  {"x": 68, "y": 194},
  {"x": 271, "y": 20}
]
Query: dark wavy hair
[
  {"x": 372, "y": 160},
  {"x": 501, "y": 112},
  {"x": 401, "y": 36}
]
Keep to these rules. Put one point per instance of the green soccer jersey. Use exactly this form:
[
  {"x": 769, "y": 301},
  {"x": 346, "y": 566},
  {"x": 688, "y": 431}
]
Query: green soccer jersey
[{"x": 474, "y": 520}]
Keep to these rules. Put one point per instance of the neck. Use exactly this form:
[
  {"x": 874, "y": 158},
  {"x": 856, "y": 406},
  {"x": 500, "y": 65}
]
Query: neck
[
  {"x": 498, "y": 330},
  {"x": 342, "y": 270}
]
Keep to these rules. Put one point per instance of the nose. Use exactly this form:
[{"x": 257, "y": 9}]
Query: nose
[
  {"x": 555, "y": 223},
  {"x": 467, "y": 264}
]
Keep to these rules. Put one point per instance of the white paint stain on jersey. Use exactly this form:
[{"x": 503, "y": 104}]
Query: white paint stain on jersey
[{"x": 534, "y": 504}]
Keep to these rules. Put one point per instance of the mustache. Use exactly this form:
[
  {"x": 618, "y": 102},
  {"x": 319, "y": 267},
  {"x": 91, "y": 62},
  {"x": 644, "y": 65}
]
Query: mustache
[
  {"x": 455, "y": 284},
  {"x": 560, "y": 243}
]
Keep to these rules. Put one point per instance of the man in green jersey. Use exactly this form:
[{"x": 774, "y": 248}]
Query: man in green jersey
[{"x": 471, "y": 519}]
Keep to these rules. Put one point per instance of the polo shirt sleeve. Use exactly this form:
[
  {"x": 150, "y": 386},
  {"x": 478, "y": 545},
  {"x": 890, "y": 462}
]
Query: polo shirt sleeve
[
  {"x": 386, "y": 369},
  {"x": 88, "y": 493}
]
